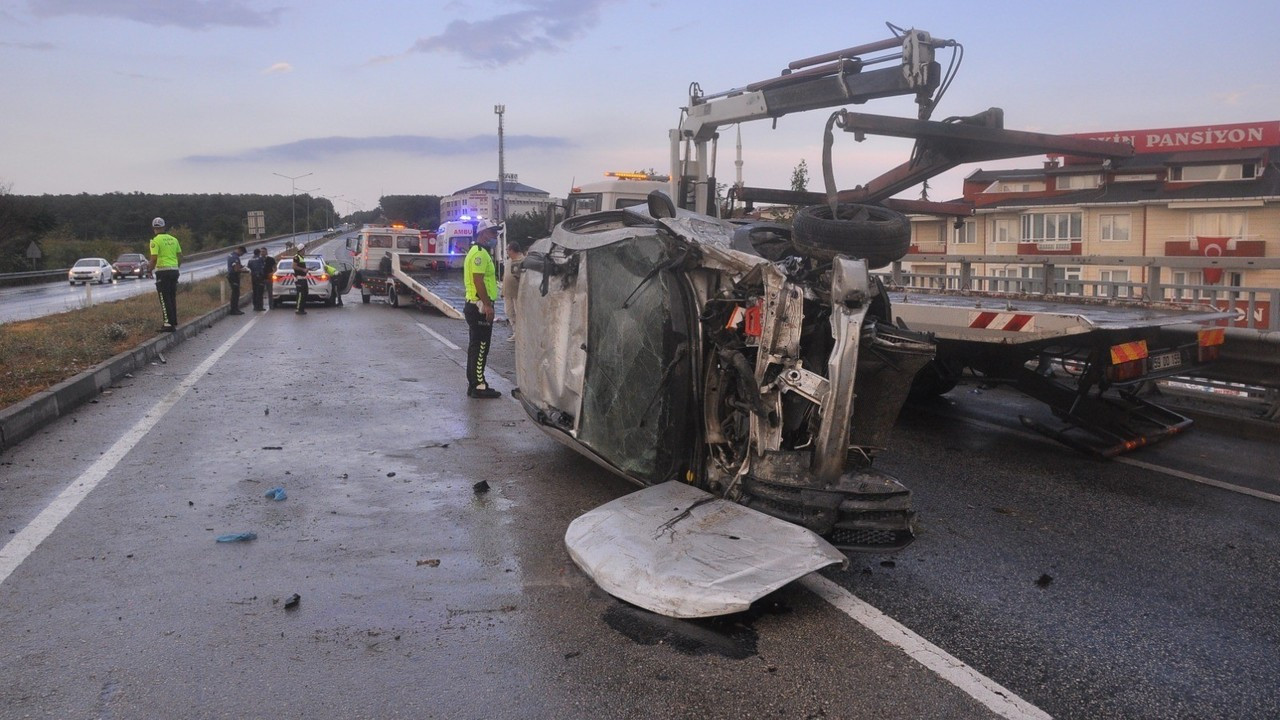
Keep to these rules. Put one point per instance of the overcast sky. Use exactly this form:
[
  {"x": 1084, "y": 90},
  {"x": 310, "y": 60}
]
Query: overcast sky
[{"x": 397, "y": 97}]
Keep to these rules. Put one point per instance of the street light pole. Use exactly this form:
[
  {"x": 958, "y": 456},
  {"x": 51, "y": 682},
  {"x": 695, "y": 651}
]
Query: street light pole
[
  {"x": 500, "y": 110},
  {"x": 293, "y": 192},
  {"x": 308, "y": 192}
]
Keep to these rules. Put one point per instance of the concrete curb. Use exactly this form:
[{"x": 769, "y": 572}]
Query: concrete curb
[{"x": 23, "y": 419}]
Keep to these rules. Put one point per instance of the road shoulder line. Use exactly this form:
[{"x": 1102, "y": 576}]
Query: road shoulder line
[{"x": 991, "y": 694}]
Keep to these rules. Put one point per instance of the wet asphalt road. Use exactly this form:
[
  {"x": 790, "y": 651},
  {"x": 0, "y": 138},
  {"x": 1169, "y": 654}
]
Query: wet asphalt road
[{"x": 1089, "y": 589}]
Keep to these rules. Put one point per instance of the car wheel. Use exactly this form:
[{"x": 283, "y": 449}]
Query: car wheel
[
  {"x": 392, "y": 297},
  {"x": 72, "y": 283},
  {"x": 365, "y": 298},
  {"x": 868, "y": 232},
  {"x": 331, "y": 300}
]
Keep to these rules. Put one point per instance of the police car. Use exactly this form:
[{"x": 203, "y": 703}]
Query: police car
[{"x": 319, "y": 284}]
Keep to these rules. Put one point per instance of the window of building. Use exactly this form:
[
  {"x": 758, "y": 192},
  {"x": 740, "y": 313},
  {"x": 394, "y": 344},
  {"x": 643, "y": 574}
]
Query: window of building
[
  {"x": 1114, "y": 276},
  {"x": 1020, "y": 279},
  {"x": 1181, "y": 279},
  {"x": 1212, "y": 173},
  {"x": 1052, "y": 227},
  {"x": 967, "y": 233},
  {"x": 1218, "y": 224},
  {"x": 1016, "y": 186},
  {"x": 1004, "y": 230},
  {"x": 1069, "y": 280},
  {"x": 1114, "y": 227},
  {"x": 1079, "y": 182}
]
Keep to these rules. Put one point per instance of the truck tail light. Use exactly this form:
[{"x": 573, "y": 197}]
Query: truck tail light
[
  {"x": 1127, "y": 361},
  {"x": 1209, "y": 343}
]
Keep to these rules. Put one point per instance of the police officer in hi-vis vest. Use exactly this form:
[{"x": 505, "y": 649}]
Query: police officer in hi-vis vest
[{"x": 480, "y": 277}]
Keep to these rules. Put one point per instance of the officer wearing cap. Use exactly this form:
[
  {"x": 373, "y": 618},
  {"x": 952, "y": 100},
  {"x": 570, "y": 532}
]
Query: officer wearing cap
[
  {"x": 481, "y": 280},
  {"x": 166, "y": 255},
  {"x": 300, "y": 279}
]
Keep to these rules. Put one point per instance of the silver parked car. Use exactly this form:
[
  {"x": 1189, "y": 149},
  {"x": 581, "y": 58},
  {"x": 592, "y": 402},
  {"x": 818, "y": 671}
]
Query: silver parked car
[{"x": 87, "y": 270}]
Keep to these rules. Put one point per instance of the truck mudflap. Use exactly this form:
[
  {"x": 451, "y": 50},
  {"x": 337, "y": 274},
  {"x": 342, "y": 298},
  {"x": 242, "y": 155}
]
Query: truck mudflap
[
  {"x": 1097, "y": 424},
  {"x": 681, "y": 552}
]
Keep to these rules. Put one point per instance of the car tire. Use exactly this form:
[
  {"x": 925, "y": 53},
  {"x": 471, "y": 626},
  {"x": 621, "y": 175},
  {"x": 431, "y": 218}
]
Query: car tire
[
  {"x": 392, "y": 297},
  {"x": 331, "y": 300},
  {"x": 365, "y": 298},
  {"x": 934, "y": 380},
  {"x": 868, "y": 232}
]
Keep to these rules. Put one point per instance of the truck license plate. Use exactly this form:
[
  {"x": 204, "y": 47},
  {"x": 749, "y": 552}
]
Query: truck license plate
[{"x": 1164, "y": 361}]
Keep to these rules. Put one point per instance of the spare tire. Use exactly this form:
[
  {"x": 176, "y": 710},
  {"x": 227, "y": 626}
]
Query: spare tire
[{"x": 868, "y": 232}]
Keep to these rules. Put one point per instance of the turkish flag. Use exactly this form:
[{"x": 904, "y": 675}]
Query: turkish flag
[{"x": 1212, "y": 247}]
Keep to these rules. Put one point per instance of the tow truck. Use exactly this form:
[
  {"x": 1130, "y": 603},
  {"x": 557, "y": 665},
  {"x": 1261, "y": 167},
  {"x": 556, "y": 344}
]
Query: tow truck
[{"x": 1067, "y": 352}]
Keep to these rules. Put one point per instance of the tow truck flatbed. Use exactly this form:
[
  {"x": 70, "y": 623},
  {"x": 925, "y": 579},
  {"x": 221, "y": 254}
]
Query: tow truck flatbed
[{"x": 1015, "y": 318}]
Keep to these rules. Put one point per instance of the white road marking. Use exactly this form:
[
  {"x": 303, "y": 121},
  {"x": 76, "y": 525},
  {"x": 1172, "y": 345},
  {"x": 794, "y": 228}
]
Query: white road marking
[
  {"x": 495, "y": 380},
  {"x": 1181, "y": 474},
  {"x": 1200, "y": 479},
  {"x": 42, "y": 526},
  {"x": 991, "y": 694},
  {"x": 443, "y": 340}
]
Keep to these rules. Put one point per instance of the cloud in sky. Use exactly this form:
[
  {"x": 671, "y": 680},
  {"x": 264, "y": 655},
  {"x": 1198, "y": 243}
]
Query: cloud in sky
[
  {"x": 280, "y": 67},
  {"x": 29, "y": 45},
  {"x": 190, "y": 14},
  {"x": 544, "y": 26},
  {"x": 318, "y": 149}
]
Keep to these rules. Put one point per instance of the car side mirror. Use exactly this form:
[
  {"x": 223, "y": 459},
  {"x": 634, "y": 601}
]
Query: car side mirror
[{"x": 660, "y": 206}]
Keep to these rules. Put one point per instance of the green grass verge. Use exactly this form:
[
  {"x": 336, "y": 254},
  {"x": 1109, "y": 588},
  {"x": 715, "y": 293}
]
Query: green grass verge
[{"x": 40, "y": 353}]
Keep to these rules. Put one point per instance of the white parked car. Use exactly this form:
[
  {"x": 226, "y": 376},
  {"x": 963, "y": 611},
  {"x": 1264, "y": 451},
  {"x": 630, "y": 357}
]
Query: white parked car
[
  {"x": 319, "y": 289},
  {"x": 87, "y": 270}
]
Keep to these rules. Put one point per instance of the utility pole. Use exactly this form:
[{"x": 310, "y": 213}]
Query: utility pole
[
  {"x": 308, "y": 192},
  {"x": 293, "y": 192},
  {"x": 499, "y": 110}
]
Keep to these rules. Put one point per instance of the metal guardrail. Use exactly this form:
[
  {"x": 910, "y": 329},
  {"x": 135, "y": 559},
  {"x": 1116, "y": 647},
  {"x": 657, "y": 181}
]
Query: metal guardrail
[{"x": 32, "y": 277}]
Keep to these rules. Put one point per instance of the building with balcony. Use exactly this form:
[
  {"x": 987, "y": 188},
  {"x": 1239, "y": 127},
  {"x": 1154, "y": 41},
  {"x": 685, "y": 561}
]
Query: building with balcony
[
  {"x": 481, "y": 200},
  {"x": 1211, "y": 191}
]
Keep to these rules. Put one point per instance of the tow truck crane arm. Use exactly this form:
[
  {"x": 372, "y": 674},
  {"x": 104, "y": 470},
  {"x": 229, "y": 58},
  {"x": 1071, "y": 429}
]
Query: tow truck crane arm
[
  {"x": 840, "y": 78},
  {"x": 828, "y": 80}
]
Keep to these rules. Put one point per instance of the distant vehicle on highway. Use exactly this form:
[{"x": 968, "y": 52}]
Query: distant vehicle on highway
[
  {"x": 87, "y": 270},
  {"x": 320, "y": 285},
  {"x": 133, "y": 265}
]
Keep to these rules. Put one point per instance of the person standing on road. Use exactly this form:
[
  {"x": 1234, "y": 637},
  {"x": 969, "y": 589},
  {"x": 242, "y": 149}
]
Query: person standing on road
[
  {"x": 480, "y": 278},
  {"x": 269, "y": 272},
  {"x": 257, "y": 276},
  {"x": 333, "y": 281},
  {"x": 511, "y": 284},
  {"x": 234, "y": 268},
  {"x": 166, "y": 256},
  {"x": 300, "y": 280}
]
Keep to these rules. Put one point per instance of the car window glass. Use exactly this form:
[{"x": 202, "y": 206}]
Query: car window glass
[{"x": 379, "y": 241}]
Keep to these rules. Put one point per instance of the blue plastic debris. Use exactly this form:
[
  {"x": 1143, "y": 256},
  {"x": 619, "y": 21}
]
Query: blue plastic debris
[
  {"x": 238, "y": 537},
  {"x": 276, "y": 493}
]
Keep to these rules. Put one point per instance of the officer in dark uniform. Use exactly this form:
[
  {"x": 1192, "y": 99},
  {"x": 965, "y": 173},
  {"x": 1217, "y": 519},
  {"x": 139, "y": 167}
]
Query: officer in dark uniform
[
  {"x": 257, "y": 275},
  {"x": 268, "y": 272},
  {"x": 300, "y": 280},
  {"x": 234, "y": 268}
]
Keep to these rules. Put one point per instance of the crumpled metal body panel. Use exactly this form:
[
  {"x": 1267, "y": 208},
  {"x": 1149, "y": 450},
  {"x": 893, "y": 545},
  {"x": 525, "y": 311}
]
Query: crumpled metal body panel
[{"x": 684, "y": 553}]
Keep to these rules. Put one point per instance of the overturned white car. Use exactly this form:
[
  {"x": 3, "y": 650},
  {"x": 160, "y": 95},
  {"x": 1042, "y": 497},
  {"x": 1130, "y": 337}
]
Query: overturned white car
[{"x": 673, "y": 346}]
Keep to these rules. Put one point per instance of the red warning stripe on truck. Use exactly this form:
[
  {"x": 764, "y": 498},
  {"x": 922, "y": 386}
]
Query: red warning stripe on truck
[{"x": 1009, "y": 322}]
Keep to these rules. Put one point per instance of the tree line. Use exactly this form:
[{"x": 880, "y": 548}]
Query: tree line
[{"x": 65, "y": 228}]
